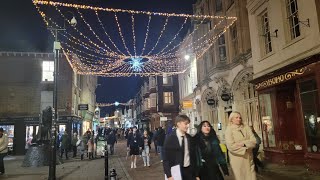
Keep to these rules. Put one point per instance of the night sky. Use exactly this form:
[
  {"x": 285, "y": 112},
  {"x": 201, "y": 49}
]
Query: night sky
[{"x": 22, "y": 29}]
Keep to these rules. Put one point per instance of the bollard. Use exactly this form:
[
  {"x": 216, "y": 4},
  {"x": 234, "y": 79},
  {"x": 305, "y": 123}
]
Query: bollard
[
  {"x": 106, "y": 165},
  {"x": 113, "y": 174}
]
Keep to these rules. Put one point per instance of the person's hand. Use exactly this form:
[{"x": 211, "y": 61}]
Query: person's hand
[
  {"x": 197, "y": 178},
  {"x": 240, "y": 144},
  {"x": 170, "y": 178},
  {"x": 140, "y": 148},
  {"x": 128, "y": 149}
]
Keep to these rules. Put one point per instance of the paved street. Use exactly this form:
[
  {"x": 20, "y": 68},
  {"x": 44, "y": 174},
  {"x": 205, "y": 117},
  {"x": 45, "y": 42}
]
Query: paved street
[{"x": 94, "y": 169}]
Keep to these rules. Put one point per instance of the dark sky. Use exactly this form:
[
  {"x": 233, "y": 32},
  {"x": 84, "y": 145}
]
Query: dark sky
[{"x": 22, "y": 29}]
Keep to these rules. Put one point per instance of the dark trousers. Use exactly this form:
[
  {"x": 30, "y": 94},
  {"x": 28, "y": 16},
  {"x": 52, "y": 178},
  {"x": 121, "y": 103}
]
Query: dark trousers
[
  {"x": 186, "y": 173},
  {"x": 74, "y": 148},
  {"x": 64, "y": 151},
  {"x": 2, "y": 155},
  {"x": 111, "y": 148}
]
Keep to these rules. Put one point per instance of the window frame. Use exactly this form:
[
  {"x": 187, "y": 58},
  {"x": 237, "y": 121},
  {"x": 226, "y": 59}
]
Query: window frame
[
  {"x": 45, "y": 73},
  {"x": 169, "y": 95},
  {"x": 222, "y": 45},
  {"x": 293, "y": 19},
  {"x": 266, "y": 34}
]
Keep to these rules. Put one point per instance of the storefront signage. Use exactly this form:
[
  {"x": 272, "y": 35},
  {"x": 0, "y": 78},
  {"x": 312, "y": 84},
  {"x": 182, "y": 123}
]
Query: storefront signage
[
  {"x": 211, "y": 102},
  {"x": 83, "y": 107},
  {"x": 225, "y": 97},
  {"x": 187, "y": 104},
  {"x": 281, "y": 78}
]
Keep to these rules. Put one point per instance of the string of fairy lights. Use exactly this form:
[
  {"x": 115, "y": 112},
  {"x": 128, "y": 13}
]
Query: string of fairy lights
[{"x": 100, "y": 47}]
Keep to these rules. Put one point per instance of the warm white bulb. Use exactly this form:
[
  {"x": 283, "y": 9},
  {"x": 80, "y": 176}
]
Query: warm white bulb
[{"x": 187, "y": 57}]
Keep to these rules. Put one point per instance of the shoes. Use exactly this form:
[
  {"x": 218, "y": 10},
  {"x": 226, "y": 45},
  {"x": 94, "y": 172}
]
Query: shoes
[
  {"x": 134, "y": 165},
  {"x": 148, "y": 164},
  {"x": 131, "y": 165}
]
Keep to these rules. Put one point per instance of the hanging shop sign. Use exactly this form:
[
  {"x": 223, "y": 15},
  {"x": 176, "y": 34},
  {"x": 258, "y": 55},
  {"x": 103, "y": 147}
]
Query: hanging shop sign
[
  {"x": 225, "y": 96},
  {"x": 211, "y": 102},
  {"x": 280, "y": 78},
  {"x": 187, "y": 104}
]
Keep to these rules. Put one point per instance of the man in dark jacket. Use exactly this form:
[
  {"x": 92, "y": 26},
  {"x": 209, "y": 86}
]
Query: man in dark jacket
[
  {"x": 111, "y": 141},
  {"x": 178, "y": 150},
  {"x": 161, "y": 135}
]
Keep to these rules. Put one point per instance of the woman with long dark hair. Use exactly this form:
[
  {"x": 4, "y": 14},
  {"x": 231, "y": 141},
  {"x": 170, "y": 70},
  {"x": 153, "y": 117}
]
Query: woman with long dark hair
[{"x": 209, "y": 154}]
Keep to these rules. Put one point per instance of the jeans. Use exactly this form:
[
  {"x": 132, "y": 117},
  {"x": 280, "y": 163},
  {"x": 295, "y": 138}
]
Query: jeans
[
  {"x": 74, "y": 151},
  {"x": 111, "y": 148},
  {"x": 146, "y": 155},
  {"x": 160, "y": 151},
  {"x": 2, "y": 155}
]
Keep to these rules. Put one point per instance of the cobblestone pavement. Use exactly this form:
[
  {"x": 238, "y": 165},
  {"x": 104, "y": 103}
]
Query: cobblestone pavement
[{"x": 75, "y": 169}]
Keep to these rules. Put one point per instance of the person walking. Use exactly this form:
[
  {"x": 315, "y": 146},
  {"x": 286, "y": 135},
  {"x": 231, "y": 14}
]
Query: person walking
[
  {"x": 90, "y": 148},
  {"x": 240, "y": 142},
  {"x": 3, "y": 149},
  {"x": 74, "y": 144},
  {"x": 146, "y": 148},
  {"x": 111, "y": 141},
  {"x": 64, "y": 144},
  {"x": 155, "y": 134},
  {"x": 82, "y": 146},
  {"x": 179, "y": 150},
  {"x": 134, "y": 144},
  {"x": 161, "y": 135},
  {"x": 208, "y": 154}
]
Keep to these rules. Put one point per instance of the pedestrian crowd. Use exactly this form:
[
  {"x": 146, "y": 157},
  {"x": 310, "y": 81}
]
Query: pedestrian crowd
[{"x": 198, "y": 157}]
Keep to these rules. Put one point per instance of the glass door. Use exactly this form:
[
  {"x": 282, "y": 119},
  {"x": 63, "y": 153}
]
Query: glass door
[{"x": 310, "y": 111}]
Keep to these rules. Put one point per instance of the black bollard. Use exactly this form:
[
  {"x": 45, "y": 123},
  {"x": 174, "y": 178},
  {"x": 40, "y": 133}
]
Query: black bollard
[
  {"x": 113, "y": 174},
  {"x": 106, "y": 165}
]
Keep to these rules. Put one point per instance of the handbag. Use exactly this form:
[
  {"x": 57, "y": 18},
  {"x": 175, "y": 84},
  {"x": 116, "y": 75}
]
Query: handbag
[{"x": 78, "y": 142}]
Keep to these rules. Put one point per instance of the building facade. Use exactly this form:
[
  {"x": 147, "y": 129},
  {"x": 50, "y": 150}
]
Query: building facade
[
  {"x": 26, "y": 88},
  {"x": 224, "y": 71},
  {"x": 157, "y": 103},
  {"x": 285, "y": 49}
]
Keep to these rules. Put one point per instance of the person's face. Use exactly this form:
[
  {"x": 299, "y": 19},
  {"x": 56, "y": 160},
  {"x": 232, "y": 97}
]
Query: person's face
[
  {"x": 236, "y": 119},
  {"x": 134, "y": 130},
  {"x": 183, "y": 126},
  {"x": 145, "y": 133},
  {"x": 205, "y": 129}
]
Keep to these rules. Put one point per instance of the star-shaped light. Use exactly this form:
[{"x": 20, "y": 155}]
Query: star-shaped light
[
  {"x": 136, "y": 64},
  {"x": 116, "y": 103}
]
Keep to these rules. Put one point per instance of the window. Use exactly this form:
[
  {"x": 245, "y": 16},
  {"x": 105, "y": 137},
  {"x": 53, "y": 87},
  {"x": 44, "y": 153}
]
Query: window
[
  {"x": 292, "y": 10},
  {"x": 47, "y": 71},
  {"x": 168, "y": 97},
  {"x": 266, "y": 33},
  {"x": 222, "y": 48},
  {"x": 153, "y": 100},
  {"x": 267, "y": 120},
  {"x": 167, "y": 80},
  {"x": 218, "y": 5},
  {"x": 234, "y": 39},
  {"x": 311, "y": 113}
]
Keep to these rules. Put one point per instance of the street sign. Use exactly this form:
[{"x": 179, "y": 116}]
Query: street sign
[
  {"x": 83, "y": 107},
  {"x": 187, "y": 104},
  {"x": 211, "y": 102}
]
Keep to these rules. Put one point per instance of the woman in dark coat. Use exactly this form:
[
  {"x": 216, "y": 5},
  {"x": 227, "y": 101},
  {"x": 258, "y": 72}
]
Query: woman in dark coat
[{"x": 209, "y": 155}]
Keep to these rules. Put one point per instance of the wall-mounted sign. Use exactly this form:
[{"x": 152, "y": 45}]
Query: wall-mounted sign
[
  {"x": 163, "y": 118},
  {"x": 83, "y": 107},
  {"x": 211, "y": 102},
  {"x": 187, "y": 104},
  {"x": 281, "y": 78},
  {"x": 225, "y": 96}
]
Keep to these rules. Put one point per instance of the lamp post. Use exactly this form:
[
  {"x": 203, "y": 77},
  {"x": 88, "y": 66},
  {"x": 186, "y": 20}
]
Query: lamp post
[{"x": 56, "y": 49}]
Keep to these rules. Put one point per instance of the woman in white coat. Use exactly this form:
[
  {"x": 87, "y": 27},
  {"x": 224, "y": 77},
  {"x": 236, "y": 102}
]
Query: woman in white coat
[{"x": 240, "y": 142}]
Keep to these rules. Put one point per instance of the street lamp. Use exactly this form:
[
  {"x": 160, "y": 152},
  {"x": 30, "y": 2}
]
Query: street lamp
[{"x": 56, "y": 49}]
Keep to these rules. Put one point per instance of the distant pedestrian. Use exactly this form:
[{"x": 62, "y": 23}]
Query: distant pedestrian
[
  {"x": 64, "y": 144},
  {"x": 161, "y": 135},
  {"x": 255, "y": 151},
  {"x": 155, "y": 133},
  {"x": 240, "y": 142},
  {"x": 82, "y": 147},
  {"x": 208, "y": 154},
  {"x": 146, "y": 148},
  {"x": 3, "y": 149},
  {"x": 179, "y": 150},
  {"x": 90, "y": 148},
  {"x": 134, "y": 144},
  {"x": 111, "y": 141},
  {"x": 74, "y": 144}
]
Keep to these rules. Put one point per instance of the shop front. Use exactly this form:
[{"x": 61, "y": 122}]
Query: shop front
[{"x": 289, "y": 107}]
